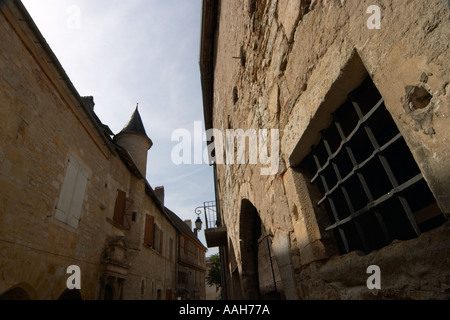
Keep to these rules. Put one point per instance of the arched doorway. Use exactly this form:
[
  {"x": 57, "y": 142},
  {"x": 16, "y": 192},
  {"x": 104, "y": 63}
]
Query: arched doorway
[
  {"x": 22, "y": 291},
  {"x": 260, "y": 278},
  {"x": 15, "y": 294}
]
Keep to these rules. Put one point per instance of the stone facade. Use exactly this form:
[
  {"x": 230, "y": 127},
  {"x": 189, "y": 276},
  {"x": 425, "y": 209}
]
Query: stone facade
[
  {"x": 290, "y": 65},
  {"x": 73, "y": 193}
]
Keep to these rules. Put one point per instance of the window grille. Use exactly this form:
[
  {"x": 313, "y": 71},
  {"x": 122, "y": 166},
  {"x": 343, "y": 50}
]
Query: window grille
[{"x": 370, "y": 184}]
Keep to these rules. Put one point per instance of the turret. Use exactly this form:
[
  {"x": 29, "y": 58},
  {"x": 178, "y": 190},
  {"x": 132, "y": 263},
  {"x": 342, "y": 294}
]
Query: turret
[{"x": 134, "y": 139}]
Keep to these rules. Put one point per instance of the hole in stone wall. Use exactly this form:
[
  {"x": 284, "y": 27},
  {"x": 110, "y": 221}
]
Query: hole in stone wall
[
  {"x": 418, "y": 98},
  {"x": 251, "y": 7},
  {"x": 235, "y": 95},
  {"x": 243, "y": 56},
  {"x": 283, "y": 64}
]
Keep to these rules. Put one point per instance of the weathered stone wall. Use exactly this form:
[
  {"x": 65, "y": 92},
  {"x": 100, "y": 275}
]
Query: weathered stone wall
[
  {"x": 42, "y": 124},
  {"x": 288, "y": 65},
  {"x": 40, "y": 128}
]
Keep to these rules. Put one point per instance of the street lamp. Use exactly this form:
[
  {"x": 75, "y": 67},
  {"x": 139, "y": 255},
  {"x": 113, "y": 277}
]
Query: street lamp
[{"x": 198, "y": 222}]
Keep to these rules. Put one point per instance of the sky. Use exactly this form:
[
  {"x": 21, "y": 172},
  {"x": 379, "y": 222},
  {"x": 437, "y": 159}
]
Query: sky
[{"x": 137, "y": 51}]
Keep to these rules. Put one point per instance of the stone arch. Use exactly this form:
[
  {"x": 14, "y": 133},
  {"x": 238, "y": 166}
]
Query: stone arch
[
  {"x": 22, "y": 291},
  {"x": 260, "y": 275},
  {"x": 249, "y": 232}
]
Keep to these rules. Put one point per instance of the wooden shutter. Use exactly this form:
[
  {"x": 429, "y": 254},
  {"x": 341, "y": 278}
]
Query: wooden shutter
[
  {"x": 161, "y": 241},
  {"x": 148, "y": 234},
  {"x": 168, "y": 294},
  {"x": 119, "y": 208}
]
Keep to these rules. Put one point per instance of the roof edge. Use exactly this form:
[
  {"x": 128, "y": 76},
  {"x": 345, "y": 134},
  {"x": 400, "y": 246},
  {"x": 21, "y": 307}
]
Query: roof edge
[
  {"x": 206, "y": 60},
  {"x": 59, "y": 68}
]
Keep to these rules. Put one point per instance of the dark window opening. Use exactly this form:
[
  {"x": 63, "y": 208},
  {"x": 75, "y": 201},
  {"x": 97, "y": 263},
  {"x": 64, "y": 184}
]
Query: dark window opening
[
  {"x": 109, "y": 293},
  {"x": 370, "y": 184}
]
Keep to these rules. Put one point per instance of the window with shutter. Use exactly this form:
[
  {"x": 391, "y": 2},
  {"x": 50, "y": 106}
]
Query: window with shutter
[
  {"x": 70, "y": 202},
  {"x": 123, "y": 210},
  {"x": 157, "y": 239},
  {"x": 119, "y": 208},
  {"x": 148, "y": 233},
  {"x": 128, "y": 214},
  {"x": 168, "y": 294}
]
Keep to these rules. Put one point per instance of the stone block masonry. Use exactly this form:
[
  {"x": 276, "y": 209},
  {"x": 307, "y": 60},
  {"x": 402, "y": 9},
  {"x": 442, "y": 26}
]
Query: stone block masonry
[{"x": 299, "y": 62}]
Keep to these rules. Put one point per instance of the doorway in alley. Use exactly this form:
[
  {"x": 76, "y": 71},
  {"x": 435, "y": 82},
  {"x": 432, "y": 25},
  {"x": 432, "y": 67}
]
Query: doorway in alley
[{"x": 260, "y": 278}]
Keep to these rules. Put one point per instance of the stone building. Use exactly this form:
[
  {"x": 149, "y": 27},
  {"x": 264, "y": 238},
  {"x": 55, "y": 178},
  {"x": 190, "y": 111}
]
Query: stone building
[
  {"x": 72, "y": 193},
  {"x": 356, "y": 94}
]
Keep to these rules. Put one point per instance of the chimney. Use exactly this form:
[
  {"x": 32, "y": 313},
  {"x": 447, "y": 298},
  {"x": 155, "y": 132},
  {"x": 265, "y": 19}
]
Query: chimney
[
  {"x": 159, "y": 191},
  {"x": 189, "y": 223},
  {"x": 88, "y": 102}
]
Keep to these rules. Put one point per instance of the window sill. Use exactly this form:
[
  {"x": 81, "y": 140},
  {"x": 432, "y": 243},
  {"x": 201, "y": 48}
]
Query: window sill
[{"x": 117, "y": 225}]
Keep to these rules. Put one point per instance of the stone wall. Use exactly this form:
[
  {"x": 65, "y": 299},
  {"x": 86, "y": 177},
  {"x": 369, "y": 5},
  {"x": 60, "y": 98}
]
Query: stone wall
[
  {"x": 42, "y": 124},
  {"x": 288, "y": 65}
]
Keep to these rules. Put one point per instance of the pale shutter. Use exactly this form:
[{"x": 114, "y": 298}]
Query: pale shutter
[
  {"x": 78, "y": 197},
  {"x": 71, "y": 198}
]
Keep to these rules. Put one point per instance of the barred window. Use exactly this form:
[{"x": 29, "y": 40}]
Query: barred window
[{"x": 371, "y": 186}]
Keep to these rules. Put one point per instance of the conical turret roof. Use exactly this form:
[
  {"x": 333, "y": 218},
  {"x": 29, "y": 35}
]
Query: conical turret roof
[
  {"x": 136, "y": 127},
  {"x": 135, "y": 124}
]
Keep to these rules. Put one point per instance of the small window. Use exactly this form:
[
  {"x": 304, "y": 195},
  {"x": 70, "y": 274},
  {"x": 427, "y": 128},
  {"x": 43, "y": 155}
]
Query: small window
[
  {"x": 158, "y": 239},
  {"x": 142, "y": 286},
  {"x": 182, "y": 278},
  {"x": 149, "y": 230},
  {"x": 153, "y": 235},
  {"x": 169, "y": 294},
  {"x": 370, "y": 184},
  {"x": 70, "y": 203}
]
